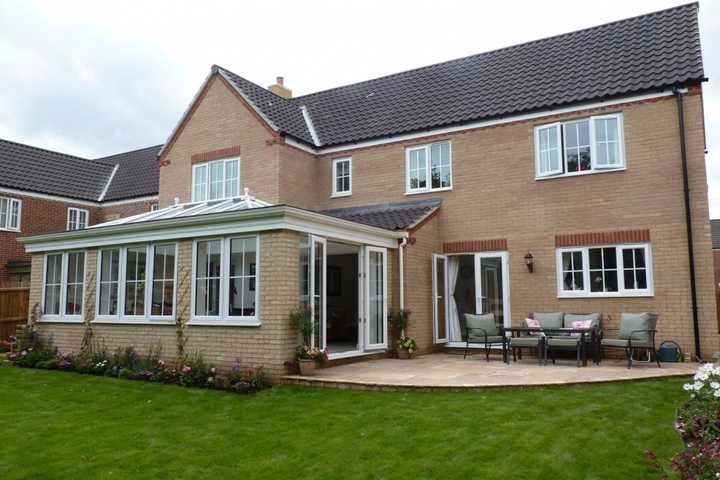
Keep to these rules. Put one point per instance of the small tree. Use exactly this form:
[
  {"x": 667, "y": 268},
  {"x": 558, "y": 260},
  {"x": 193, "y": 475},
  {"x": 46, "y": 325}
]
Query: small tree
[{"x": 302, "y": 319}]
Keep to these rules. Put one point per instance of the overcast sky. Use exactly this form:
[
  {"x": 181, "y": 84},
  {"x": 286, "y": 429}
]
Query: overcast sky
[{"x": 93, "y": 78}]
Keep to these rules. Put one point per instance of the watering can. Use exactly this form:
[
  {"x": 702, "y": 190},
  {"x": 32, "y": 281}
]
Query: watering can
[{"x": 669, "y": 353}]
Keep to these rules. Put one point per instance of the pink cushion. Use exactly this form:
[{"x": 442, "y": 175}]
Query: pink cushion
[
  {"x": 534, "y": 324},
  {"x": 581, "y": 324}
]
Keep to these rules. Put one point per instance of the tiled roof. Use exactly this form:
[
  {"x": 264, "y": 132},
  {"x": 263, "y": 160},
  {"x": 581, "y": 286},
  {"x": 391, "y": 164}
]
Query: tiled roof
[
  {"x": 36, "y": 170},
  {"x": 138, "y": 174},
  {"x": 389, "y": 216},
  {"x": 715, "y": 231},
  {"x": 641, "y": 54}
]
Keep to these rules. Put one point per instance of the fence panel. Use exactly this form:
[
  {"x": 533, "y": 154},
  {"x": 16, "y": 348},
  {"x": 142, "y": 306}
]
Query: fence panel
[{"x": 14, "y": 306}]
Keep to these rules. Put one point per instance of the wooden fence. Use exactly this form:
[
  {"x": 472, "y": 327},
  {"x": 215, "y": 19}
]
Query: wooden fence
[{"x": 14, "y": 306}]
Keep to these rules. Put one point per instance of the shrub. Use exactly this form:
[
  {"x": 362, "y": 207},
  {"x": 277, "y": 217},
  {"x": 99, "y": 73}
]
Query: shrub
[{"x": 196, "y": 373}]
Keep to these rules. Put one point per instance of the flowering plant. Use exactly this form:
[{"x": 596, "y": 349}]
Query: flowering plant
[
  {"x": 407, "y": 343},
  {"x": 306, "y": 352},
  {"x": 698, "y": 422},
  {"x": 399, "y": 319}
]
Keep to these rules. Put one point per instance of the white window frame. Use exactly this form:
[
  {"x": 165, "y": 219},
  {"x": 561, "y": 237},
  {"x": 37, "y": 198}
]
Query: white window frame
[
  {"x": 119, "y": 316},
  {"x": 223, "y": 318},
  {"x": 154, "y": 207},
  {"x": 426, "y": 167},
  {"x": 62, "y": 315},
  {"x": 10, "y": 210},
  {"x": 585, "y": 290},
  {"x": 205, "y": 169},
  {"x": 338, "y": 176},
  {"x": 552, "y": 161},
  {"x": 77, "y": 218}
]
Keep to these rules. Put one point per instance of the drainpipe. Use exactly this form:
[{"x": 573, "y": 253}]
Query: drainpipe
[
  {"x": 401, "y": 267},
  {"x": 691, "y": 255}
]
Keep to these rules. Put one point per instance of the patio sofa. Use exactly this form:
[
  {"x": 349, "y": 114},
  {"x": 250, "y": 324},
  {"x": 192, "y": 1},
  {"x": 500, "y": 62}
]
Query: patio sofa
[{"x": 564, "y": 341}]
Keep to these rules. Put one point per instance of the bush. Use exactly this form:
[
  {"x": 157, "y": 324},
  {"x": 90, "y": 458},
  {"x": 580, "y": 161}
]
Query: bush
[{"x": 196, "y": 373}]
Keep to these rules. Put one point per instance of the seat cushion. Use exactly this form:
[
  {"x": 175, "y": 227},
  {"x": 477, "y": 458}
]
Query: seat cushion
[
  {"x": 549, "y": 320},
  {"x": 490, "y": 339},
  {"x": 630, "y": 322},
  {"x": 525, "y": 342},
  {"x": 622, "y": 343},
  {"x": 563, "y": 342},
  {"x": 477, "y": 323}
]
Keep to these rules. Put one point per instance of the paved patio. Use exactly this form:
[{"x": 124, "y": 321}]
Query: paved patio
[{"x": 449, "y": 372}]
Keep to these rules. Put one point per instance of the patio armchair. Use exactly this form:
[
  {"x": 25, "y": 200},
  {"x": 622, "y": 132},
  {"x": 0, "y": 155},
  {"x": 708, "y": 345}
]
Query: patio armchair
[
  {"x": 637, "y": 333},
  {"x": 482, "y": 329}
]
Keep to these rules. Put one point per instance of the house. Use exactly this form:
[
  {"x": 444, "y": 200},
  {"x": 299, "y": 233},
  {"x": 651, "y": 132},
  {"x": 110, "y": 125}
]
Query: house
[
  {"x": 428, "y": 189},
  {"x": 66, "y": 192}
]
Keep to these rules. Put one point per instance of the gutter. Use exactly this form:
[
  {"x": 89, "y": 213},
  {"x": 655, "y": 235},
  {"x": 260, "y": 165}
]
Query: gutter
[{"x": 688, "y": 222}]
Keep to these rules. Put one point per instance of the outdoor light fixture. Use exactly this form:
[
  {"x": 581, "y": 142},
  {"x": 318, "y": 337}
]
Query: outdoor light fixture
[{"x": 528, "y": 261}]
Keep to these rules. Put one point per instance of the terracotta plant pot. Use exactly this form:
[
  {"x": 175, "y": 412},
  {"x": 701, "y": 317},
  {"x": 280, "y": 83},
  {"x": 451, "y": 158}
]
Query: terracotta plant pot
[
  {"x": 307, "y": 366},
  {"x": 402, "y": 354}
]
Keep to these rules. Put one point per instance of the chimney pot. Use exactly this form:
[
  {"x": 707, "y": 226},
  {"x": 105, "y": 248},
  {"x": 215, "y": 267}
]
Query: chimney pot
[{"x": 280, "y": 80}]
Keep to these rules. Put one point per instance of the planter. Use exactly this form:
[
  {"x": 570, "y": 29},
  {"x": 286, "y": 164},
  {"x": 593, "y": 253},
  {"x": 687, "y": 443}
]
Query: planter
[
  {"x": 307, "y": 366},
  {"x": 402, "y": 353}
]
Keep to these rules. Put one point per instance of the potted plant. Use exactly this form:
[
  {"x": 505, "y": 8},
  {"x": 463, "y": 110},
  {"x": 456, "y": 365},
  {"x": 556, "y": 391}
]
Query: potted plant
[
  {"x": 308, "y": 358},
  {"x": 405, "y": 345},
  {"x": 302, "y": 319}
]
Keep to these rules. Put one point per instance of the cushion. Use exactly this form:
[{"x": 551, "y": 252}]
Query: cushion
[
  {"x": 549, "y": 320},
  {"x": 569, "y": 318},
  {"x": 581, "y": 324},
  {"x": 532, "y": 323},
  {"x": 629, "y": 322},
  {"x": 476, "y": 322}
]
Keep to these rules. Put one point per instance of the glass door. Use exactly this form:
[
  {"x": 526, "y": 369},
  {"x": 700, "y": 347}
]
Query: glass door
[
  {"x": 440, "y": 304},
  {"x": 318, "y": 291},
  {"x": 375, "y": 298}
]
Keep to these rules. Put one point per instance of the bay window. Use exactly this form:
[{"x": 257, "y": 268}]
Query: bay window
[{"x": 64, "y": 286}]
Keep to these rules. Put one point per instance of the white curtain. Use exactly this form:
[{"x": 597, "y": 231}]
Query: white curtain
[{"x": 454, "y": 335}]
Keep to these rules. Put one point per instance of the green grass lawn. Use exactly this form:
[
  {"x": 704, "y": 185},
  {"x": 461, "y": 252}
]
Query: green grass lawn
[{"x": 70, "y": 426}]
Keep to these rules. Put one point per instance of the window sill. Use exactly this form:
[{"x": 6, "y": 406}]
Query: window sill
[
  {"x": 135, "y": 321},
  {"x": 342, "y": 194},
  {"x": 250, "y": 322},
  {"x": 45, "y": 319},
  {"x": 434, "y": 190},
  {"x": 579, "y": 174},
  {"x": 606, "y": 295}
]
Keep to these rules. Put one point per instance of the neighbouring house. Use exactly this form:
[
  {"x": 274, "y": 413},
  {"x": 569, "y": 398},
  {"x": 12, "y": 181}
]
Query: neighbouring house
[
  {"x": 43, "y": 191},
  {"x": 427, "y": 190}
]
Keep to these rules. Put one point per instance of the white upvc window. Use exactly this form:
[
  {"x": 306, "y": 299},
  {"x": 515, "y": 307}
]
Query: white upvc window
[
  {"x": 226, "y": 273},
  {"x": 605, "y": 270},
  {"x": 137, "y": 283},
  {"x": 77, "y": 218},
  {"x": 64, "y": 286},
  {"x": 342, "y": 177},
  {"x": 216, "y": 179},
  {"x": 580, "y": 146},
  {"x": 428, "y": 167},
  {"x": 10, "y": 213}
]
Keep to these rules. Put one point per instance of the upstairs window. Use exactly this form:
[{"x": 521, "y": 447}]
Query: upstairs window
[
  {"x": 606, "y": 270},
  {"x": 216, "y": 179},
  {"x": 342, "y": 176},
  {"x": 77, "y": 218},
  {"x": 428, "y": 167},
  {"x": 10, "y": 213},
  {"x": 580, "y": 146}
]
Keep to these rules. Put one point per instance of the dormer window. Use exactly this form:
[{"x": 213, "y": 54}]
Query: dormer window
[{"x": 216, "y": 179}]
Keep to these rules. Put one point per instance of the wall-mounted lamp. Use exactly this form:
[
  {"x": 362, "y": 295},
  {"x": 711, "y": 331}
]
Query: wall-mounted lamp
[{"x": 528, "y": 261}]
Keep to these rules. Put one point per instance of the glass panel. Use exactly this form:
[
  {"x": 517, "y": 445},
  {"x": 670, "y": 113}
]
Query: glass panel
[
  {"x": 200, "y": 193},
  {"x": 607, "y": 142},
  {"x": 634, "y": 269},
  {"x": 243, "y": 272},
  {"x": 549, "y": 150},
  {"x": 15, "y": 214},
  {"x": 376, "y": 300},
  {"x": 163, "y": 289},
  {"x": 207, "y": 278},
  {"x": 109, "y": 281},
  {"x": 603, "y": 269},
  {"x": 135, "y": 266},
  {"x": 4, "y": 202},
  {"x": 304, "y": 280},
  {"x": 441, "y": 330},
  {"x": 216, "y": 181},
  {"x": 572, "y": 271},
  {"x": 75, "y": 283},
  {"x": 232, "y": 178},
  {"x": 440, "y": 168},
  {"x": 318, "y": 292},
  {"x": 577, "y": 146},
  {"x": 53, "y": 283},
  {"x": 418, "y": 169}
]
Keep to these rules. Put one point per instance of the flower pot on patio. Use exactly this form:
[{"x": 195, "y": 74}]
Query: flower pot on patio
[
  {"x": 402, "y": 353},
  {"x": 307, "y": 366}
]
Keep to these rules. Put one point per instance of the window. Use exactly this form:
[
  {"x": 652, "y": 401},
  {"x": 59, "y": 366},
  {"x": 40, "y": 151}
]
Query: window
[
  {"x": 154, "y": 207},
  {"x": 606, "y": 270},
  {"x": 64, "y": 286},
  {"x": 124, "y": 276},
  {"x": 216, "y": 179},
  {"x": 10, "y": 213},
  {"x": 77, "y": 218},
  {"x": 225, "y": 280},
  {"x": 579, "y": 146},
  {"x": 428, "y": 167},
  {"x": 342, "y": 176}
]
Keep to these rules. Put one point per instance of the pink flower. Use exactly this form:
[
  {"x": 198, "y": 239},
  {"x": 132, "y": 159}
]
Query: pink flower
[
  {"x": 186, "y": 369},
  {"x": 161, "y": 362}
]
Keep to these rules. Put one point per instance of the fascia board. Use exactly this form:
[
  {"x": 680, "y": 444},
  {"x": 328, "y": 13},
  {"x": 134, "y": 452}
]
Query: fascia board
[{"x": 254, "y": 220}]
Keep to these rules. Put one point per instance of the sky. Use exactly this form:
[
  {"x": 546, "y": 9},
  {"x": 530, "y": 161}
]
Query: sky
[{"x": 96, "y": 77}]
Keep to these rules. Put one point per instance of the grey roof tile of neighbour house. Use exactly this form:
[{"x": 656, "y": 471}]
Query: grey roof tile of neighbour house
[
  {"x": 37, "y": 170},
  {"x": 715, "y": 232},
  {"x": 640, "y": 54},
  {"x": 138, "y": 174},
  {"x": 389, "y": 216}
]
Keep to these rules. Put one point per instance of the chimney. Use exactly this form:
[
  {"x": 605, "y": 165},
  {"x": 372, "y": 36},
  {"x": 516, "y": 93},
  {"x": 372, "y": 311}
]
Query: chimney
[{"x": 279, "y": 89}]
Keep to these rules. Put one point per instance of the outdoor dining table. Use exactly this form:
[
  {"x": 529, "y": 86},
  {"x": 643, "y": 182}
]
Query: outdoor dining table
[{"x": 559, "y": 332}]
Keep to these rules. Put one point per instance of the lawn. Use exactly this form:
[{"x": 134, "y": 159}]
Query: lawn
[{"x": 65, "y": 425}]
